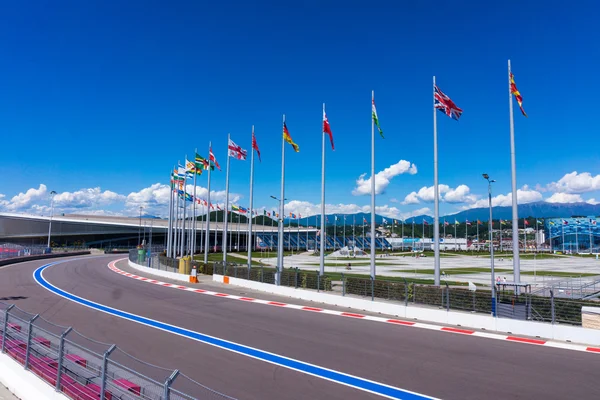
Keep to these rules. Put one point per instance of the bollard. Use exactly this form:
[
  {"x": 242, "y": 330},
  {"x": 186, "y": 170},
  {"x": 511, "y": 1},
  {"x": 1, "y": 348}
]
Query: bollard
[
  {"x": 28, "y": 350},
  {"x": 168, "y": 384},
  {"x": 104, "y": 367},
  {"x": 5, "y": 327},
  {"x": 61, "y": 347}
]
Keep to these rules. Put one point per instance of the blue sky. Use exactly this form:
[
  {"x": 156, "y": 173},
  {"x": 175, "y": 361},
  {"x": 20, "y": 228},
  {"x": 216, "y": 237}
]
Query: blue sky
[{"x": 104, "y": 96}]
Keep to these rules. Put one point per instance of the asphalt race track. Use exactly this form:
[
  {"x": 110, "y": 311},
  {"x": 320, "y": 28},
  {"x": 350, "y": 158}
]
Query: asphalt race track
[{"x": 431, "y": 363}]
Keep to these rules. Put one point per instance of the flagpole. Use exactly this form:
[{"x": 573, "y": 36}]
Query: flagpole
[
  {"x": 322, "y": 253},
  {"x": 344, "y": 244},
  {"x": 334, "y": 231},
  {"x": 436, "y": 200},
  {"x": 373, "y": 271},
  {"x": 194, "y": 225},
  {"x": 478, "y": 236},
  {"x": 455, "y": 238},
  {"x": 202, "y": 227},
  {"x": 413, "y": 235},
  {"x": 175, "y": 249},
  {"x": 281, "y": 213},
  {"x": 500, "y": 226},
  {"x": 513, "y": 165},
  {"x": 576, "y": 238},
  {"x": 590, "y": 225},
  {"x": 207, "y": 235},
  {"x": 170, "y": 228},
  {"x": 249, "y": 241},
  {"x": 237, "y": 244},
  {"x": 524, "y": 235},
  {"x": 402, "y": 235},
  {"x": 563, "y": 236}
]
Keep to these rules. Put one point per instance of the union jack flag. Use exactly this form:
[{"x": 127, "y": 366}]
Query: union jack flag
[{"x": 446, "y": 105}]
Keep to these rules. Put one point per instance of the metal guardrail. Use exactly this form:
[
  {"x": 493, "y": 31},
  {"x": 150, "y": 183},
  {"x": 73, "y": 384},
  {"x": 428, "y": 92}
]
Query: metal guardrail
[
  {"x": 83, "y": 368},
  {"x": 526, "y": 306},
  {"x": 10, "y": 250}
]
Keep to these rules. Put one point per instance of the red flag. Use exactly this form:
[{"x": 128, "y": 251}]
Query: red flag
[
  {"x": 327, "y": 128},
  {"x": 255, "y": 145},
  {"x": 213, "y": 159},
  {"x": 526, "y": 222}
]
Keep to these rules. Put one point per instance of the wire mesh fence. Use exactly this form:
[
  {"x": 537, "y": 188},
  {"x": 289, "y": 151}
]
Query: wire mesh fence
[
  {"x": 11, "y": 250},
  {"x": 84, "y": 369}
]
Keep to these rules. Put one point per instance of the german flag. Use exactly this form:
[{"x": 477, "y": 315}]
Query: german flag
[
  {"x": 288, "y": 138},
  {"x": 516, "y": 93}
]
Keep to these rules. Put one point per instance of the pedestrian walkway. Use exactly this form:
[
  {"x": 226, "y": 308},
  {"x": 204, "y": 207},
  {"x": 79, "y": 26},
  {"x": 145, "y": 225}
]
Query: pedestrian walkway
[{"x": 5, "y": 394}]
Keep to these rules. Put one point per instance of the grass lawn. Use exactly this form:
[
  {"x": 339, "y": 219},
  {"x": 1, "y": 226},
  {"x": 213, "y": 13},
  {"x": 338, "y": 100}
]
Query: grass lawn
[
  {"x": 454, "y": 271},
  {"x": 558, "y": 273},
  {"x": 212, "y": 257},
  {"x": 336, "y": 276}
]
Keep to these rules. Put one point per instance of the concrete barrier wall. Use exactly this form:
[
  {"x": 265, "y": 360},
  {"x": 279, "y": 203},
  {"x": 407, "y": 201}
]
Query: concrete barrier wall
[
  {"x": 24, "y": 384},
  {"x": 566, "y": 333},
  {"x": 165, "y": 274},
  {"x": 16, "y": 260}
]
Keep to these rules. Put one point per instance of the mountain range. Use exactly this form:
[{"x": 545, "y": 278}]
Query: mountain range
[{"x": 540, "y": 209}]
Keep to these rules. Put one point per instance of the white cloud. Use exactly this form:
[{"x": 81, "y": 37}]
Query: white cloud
[
  {"x": 564, "y": 198},
  {"x": 86, "y": 198},
  {"x": 394, "y": 200},
  {"x": 23, "y": 201},
  {"x": 383, "y": 178},
  {"x": 460, "y": 194},
  {"x": 576, "y": 183},
  {"x": 305, "y": 208},
  {"x": 593, "y": 202},
  {"x": 524, "y": 195}
]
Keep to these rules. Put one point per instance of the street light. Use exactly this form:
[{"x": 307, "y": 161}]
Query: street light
[
  {"x": 490, "y": 227},
  {"x": 140, "y": 227},
  {"x": 52, "y": 193},
  {"x": 279, "y": 241}
]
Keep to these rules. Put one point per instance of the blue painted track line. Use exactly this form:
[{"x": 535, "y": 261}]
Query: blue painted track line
[{"x": 296, "y": 365}]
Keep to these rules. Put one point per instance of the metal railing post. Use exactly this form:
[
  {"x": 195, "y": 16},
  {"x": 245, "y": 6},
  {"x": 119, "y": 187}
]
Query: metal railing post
[
  {"x": 372, "y": 289},
  {"x": 28, "y": 350},
  {"x": 343, "y": 285},
  {"x": 405, "y": 292},
  {"x": 104, "y": 367},
  {"x": 5, "y": 327},
  {"x": 552, "y": 306},
  {"x": 318, "y": 282},
  {"x": 447, "y": 298},
  {"x": 168, "y": 384},
  {"x": 59, "y": 362},
  {"x": 296, "y": 278}
]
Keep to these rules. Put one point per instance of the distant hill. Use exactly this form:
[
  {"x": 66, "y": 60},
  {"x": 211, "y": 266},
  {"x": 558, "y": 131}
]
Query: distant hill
[{"x": 540, "y": 209}]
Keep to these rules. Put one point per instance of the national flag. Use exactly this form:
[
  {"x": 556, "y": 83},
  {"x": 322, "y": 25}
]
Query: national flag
[
  {"x": 456, "y": 222},
  {"x": 274, "y": 213},
  {"x": 540, "y": 222},
  {"x": 445, "y": 104},
  {"x": 218, "y": 207},
  {"x": 425, "y": 222},
  {"x": 565, "y": 222},
  {"x": 592, "y": 221},
  {"x": 236, "y": 151},
  {"x": 212, "y": 206},
  {"x": 193, "y": 167},
  {"x": 212, "y": 158},
  {"x": 479, "y": 222},
  {"x": 446, "y": 223},
  {"x": 516, "y": 93},
  {"x": 395, "y": 222},
  {"x": 577, "y": 221},
  {"x": 234, "y": 208},
  {"x": 364, "y": 220},
  {"x": 375, "y": 118},
  {"x": 384, "y": 221},
  {"x": 502, "y": 222},
  {"x": 552, "y": 223},
  {"x": 269, "y": 214},
  {"x": 293, "y": 216},
  {"x": 255, "y": 146},
  {"x": 526, "y": 223},
  {"x": 288, "y": 138},
  {"x": 242, "y": 210},
  {"x": 468, "y": 222},
  {"x": 327, "y": 128},
  {"x": 203, "y": 163}
]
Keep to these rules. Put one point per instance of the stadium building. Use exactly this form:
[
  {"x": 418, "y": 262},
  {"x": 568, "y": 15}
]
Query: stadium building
[{"x": 573, "y": 235}]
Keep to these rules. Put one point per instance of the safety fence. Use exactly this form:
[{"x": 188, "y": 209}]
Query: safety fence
[
  {"x": 10, "y": 250},
  {"x": 509, "y": 303},
  {"x": 84, "y": 369}
]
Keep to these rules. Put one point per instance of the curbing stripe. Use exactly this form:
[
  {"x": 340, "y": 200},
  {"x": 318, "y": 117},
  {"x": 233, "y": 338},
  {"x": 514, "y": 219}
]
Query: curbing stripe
[{"x": 467, "y": 332}]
